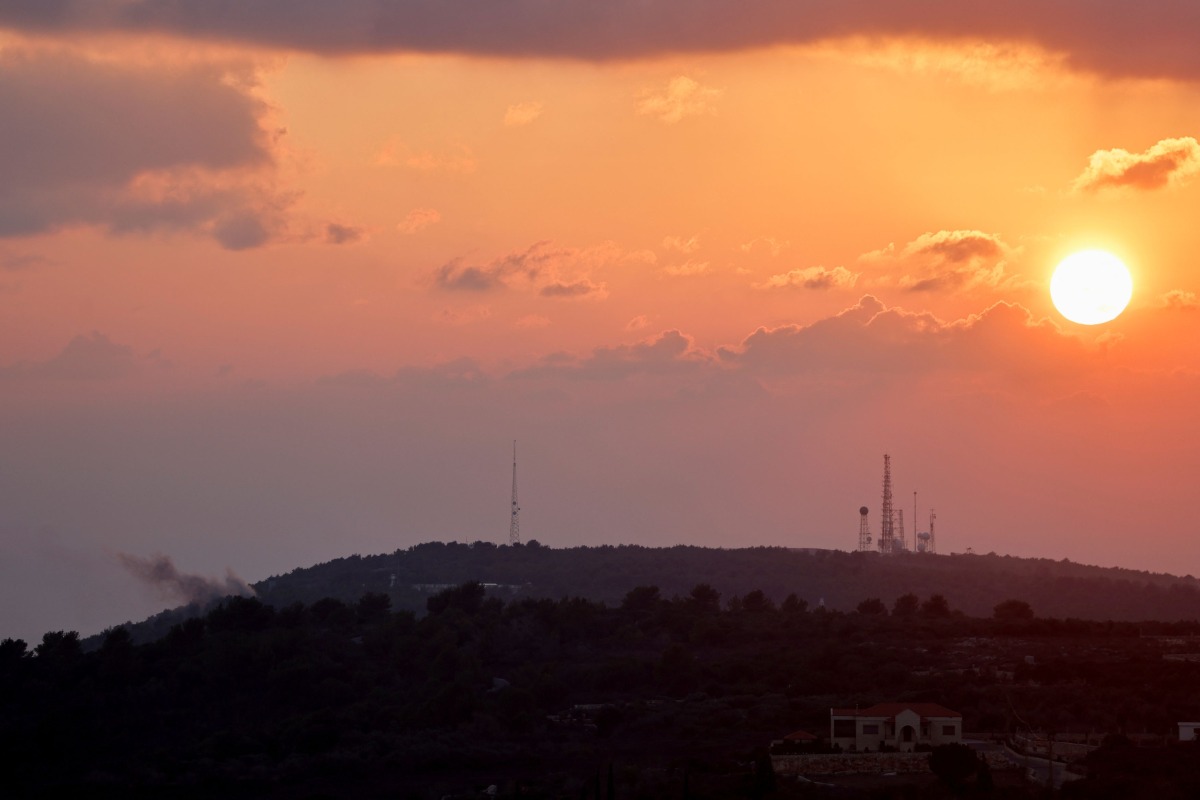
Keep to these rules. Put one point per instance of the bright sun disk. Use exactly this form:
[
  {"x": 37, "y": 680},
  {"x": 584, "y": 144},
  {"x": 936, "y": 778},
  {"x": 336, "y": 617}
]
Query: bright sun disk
[{"x": 1091, "y": 287}]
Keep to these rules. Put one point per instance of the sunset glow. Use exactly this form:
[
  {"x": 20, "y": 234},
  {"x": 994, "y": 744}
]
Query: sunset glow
[{"x": 282, "y": 282}]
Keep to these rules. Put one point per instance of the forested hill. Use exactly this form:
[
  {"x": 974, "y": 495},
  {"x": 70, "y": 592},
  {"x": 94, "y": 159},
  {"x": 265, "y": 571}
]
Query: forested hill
[{"x": 974, "y": 584}]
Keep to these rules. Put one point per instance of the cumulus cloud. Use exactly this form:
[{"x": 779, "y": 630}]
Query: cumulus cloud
[
  {"x": 133, "y": 149},
  {"x": 418, "y": 220},
  {"x": 669, "y": 352},
  {"x": 682, "y": 97},
  {"x": 871, "y": 339},
  {"x": 1168, "y": 163},
  {"x": 520, "y": 114},
  {"x": 87, "y": 357},
  {"x": 160, "y": 572},
  {"x": 950, "y": 261},
  {"x": 1116, "y": 37},
  {"x": 812, "y": 278}
]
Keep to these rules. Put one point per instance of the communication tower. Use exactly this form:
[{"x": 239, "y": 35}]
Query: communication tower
[
  {"x": 864, "y": 529},
  {"x": 514, "y": 527},
  {"x": 932, "y": 540},
  {"x": 886, "y": 531},
  {"x": 901, "y": 542}
]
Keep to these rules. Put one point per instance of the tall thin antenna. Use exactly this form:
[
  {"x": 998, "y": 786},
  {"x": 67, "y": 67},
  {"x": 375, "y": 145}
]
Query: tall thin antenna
[
  {"x": 901, "y": 542},
  {"x": 514, "y": 527},
  {"x": 886, "y": 543},
  {"x": 932, "y": 538}
]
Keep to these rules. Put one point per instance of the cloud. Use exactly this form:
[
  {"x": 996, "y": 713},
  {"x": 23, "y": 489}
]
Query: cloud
[
  {"x": 520, "y": 114},
  {"x": 532, "y": 321},
  {"x": 160, "y": 572},
  {"x": 950, "y": 261},
  {"x": 638, "y": 323},
  {"x": 874, "y": 341},
  {"x": 457, "y": 159},
  {"x": 15, "y": 262},
  {"x": 812, "y": 278},
  {"x": 499, "y": 273},
  {"x": 681, "y": 245},
  {"x": 548, "y": 269},
  {"x": 773, "y": 246},
  {"x": 670, "y": 352},
  {"x": 464, "y": 316},
  {"x": 336, "y": 233},
  {"x": 1111, "y": 37},
  {"x": 456, "y": 375},
  {"x": 418, "y": 220},
  {"x": 132, "y": 149},
  {"x": 575, "y": 289},
  {"x": 1168, "y": 163},
  {"x": 1179, "y": 300},
  {"x": 90, "y": 357},
  {"x": 687, "y": 269},
  {"x": 682, "y": 97}
]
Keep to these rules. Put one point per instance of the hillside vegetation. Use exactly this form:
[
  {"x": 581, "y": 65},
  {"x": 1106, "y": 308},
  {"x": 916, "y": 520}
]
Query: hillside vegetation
[{"x": 974, "y": 584}]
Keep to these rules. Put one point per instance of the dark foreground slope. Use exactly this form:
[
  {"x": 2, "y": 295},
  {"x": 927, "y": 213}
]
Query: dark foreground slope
[
  {"x": 973, "y": 584},
  {"x": 648, "y": 698}
]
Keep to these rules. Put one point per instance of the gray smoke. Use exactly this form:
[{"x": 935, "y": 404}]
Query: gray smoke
[{"x": 161, "y": 573}]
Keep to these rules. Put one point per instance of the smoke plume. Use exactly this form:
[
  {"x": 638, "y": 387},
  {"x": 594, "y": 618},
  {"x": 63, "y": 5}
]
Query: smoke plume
[{"x": 161, "y": 573}]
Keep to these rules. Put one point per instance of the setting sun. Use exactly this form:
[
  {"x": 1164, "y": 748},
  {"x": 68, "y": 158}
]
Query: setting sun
[{"x": 1091, "y": 287}]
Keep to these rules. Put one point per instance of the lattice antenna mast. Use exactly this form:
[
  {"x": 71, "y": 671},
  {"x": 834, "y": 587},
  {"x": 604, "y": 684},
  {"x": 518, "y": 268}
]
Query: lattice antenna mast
[
  {"x": 901, "y": 542},
  {"x": 864, "y": 529},
  {"x": 514, "y": 527},
  {"x": 886, "y": 542},
  {"x": 932, "y": 540}
]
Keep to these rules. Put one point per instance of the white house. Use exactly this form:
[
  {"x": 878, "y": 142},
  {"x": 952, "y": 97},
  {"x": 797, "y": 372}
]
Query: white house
[{"x": 902, "y": 726}]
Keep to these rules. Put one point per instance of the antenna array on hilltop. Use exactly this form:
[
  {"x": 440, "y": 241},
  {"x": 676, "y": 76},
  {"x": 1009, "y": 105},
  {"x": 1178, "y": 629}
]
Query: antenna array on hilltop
[{"x": 891, "y": 525}]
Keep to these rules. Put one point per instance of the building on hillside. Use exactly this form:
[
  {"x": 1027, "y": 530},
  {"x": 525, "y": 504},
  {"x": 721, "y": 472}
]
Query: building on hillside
[
  {"x": 1188, "y": 731},
  {"x": 901, "y": 726}
]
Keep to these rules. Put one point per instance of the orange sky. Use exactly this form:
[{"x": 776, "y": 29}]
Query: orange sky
[{"x": 278, "y": 285}]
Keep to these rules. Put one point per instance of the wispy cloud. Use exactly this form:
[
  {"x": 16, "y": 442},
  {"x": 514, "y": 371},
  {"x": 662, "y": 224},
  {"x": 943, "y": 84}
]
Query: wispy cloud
[
  {"x": 520, "y": 114},
  {"x": 812, "y": 278},
  {"x": 681, "y": 97},
  {"x": 418, "y": 220}
]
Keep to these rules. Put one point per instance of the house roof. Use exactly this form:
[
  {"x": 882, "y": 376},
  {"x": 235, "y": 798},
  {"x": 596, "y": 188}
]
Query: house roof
[
  {"x": 800, "y": 736},
  {"x": 922, "y": 710}
]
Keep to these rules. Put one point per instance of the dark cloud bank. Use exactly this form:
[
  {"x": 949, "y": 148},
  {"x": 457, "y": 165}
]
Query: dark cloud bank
[{"x": 1112, "y": 37}]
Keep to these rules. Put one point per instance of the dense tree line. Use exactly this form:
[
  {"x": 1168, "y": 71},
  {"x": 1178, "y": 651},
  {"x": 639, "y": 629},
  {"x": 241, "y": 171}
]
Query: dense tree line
[{"x": 541, "y": 696}]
